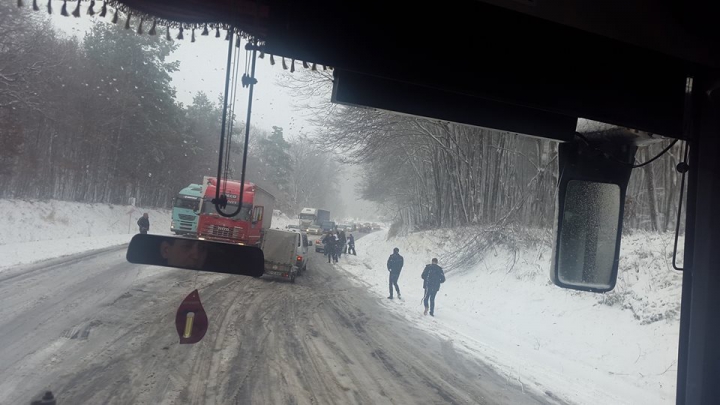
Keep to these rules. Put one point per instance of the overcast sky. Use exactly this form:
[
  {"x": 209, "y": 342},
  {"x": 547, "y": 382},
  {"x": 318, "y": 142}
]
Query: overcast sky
[{"x": 202, "y": 68}]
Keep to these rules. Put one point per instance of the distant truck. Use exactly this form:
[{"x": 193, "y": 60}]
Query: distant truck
[
  {"x": 285, "y": 253},
  {"x": 248, "y": 225},
  {"x": 311, "y": 219},
  {"x": 307, "y": 217},
  {"x": 327, "y": 226},
  {"x": 185, "y": 210}
]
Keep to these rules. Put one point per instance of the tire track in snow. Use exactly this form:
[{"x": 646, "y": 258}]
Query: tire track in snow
[{"x": 322, "y": 340}]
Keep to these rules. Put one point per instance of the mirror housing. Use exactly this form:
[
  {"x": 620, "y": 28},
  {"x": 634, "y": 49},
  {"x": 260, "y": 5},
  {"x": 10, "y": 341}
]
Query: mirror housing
[
  {"x": 194, "y": 254},
  {"x": 589, "y": 213}
]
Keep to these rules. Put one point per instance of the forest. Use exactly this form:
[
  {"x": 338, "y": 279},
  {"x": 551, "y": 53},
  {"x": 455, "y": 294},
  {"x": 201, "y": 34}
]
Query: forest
[
  {"x": 433, "y": 174},
  {"x": 97, "y": 120}
]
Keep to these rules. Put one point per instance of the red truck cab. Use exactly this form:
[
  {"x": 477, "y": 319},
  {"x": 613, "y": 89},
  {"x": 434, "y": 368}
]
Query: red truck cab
[{"x": 248, "y": 225}]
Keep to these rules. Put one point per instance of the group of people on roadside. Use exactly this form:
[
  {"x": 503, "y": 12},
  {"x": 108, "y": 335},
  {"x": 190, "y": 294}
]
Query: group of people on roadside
[
  {"x": 336, "y": 244},
  {"x": 433, "y": 275}
]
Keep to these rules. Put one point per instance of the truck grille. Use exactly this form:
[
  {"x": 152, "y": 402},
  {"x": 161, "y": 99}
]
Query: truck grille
[
  {"x": 224, "y": 231},
  {"x": 186, "y": 217}
]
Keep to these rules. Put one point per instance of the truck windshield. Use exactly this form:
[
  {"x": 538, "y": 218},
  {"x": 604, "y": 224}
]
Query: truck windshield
[
  {"x": 186, "y": 202},
  {"x": 243, "y": 215},
  {"x": 306, "y": 216}
]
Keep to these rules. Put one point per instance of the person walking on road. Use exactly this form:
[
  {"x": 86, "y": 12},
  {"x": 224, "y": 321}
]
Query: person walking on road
[
  {"x": 144, "y": 223},
  {"x": 330, "y": 242},
  {"x": 326, "y": 252},
  {"x": 395, "y": 265},
  {"x": 432, "y": 276},
  {"x": 336, "y": 248},
  {"x": 351, "y": 245},
  {"x": 342, "y": 244}
]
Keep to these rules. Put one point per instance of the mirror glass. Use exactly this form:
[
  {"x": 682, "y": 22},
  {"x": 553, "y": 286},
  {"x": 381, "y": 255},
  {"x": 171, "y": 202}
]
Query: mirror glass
[
  {"x": 193, "y": 254},
  {"x": 588, "y": 238}
]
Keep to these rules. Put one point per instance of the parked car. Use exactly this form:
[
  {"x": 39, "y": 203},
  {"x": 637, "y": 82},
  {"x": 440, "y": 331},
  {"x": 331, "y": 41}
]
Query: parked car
[
  {"x": 314, "y": 230},
  {"x": 319, "y": 245}
]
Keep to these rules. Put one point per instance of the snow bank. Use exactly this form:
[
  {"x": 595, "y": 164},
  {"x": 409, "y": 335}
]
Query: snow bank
[
  {"x": 618, "y": 348},
  {"x": 30, "y": 252},
  {"x": 40, "y": 230},
  {"x": 281, "y": 220},
  {"x": 31, "y": 220}
]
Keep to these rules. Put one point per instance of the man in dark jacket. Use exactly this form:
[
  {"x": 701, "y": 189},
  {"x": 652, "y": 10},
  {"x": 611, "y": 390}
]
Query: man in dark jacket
[
  {"x": 395, "y": 265},
  {"x": 351, "y": 245},
  {"x": 342, "y": 240},
  {"x": 330, "y": 245},
  {"x": 144, "y": 223},
  {"x": 433, "y": 276}
]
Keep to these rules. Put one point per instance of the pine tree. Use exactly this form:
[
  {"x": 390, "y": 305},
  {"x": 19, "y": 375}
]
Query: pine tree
[{"x": 274, "y": 152}]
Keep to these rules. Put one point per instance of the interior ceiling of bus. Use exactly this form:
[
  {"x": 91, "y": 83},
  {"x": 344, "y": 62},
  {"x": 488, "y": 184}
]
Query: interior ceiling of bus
[{"x": 526, "y": 66}]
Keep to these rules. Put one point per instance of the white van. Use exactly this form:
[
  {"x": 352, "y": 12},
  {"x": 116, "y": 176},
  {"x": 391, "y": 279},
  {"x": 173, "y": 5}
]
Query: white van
[
  {"x": 302, "y": 249},
  {"x": 285, "y": 253}
]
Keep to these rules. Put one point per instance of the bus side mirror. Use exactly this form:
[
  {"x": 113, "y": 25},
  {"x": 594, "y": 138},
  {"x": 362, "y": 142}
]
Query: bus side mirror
[{"x": 589, "y": 215}]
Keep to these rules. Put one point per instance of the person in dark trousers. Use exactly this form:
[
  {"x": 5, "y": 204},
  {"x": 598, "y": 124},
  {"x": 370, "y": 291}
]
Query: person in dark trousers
[
  {"x": 395, "y": 265},
  {"x": 343, "y": 243},
  {"x": 144, "y": 223},
  {"x": 432, "y": 276},
  {"x": 336, "y": 248},
  {"x": 326, "y": 243},
  {"x": 351, "y": 245},
  {"x": 330, "y": 242},
  {"x": 325, "y": 248}
]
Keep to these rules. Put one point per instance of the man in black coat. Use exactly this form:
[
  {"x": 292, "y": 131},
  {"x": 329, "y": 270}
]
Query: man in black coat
[
  {"x": 433, "y": 276},
  {"x": 395, "y": 264},
  {"x": 342, "y": 243},
  {"x": 351, "y": 245},
  {"x": 144, "y": 223},
  {"x": 330, "y": 242}
]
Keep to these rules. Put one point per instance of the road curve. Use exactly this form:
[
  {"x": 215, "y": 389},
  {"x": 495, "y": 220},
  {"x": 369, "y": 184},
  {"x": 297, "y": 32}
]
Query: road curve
[{"x": 95, "y": 329}]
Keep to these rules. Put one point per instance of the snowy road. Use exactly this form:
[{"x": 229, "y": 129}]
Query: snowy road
[{"x": 96, "y": 329}]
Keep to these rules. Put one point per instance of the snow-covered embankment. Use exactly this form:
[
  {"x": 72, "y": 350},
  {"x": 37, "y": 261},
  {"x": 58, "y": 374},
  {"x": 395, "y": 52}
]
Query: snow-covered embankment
[
  {"x": 585, "y": 348},
  {"x": 38, "y": 230}
]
